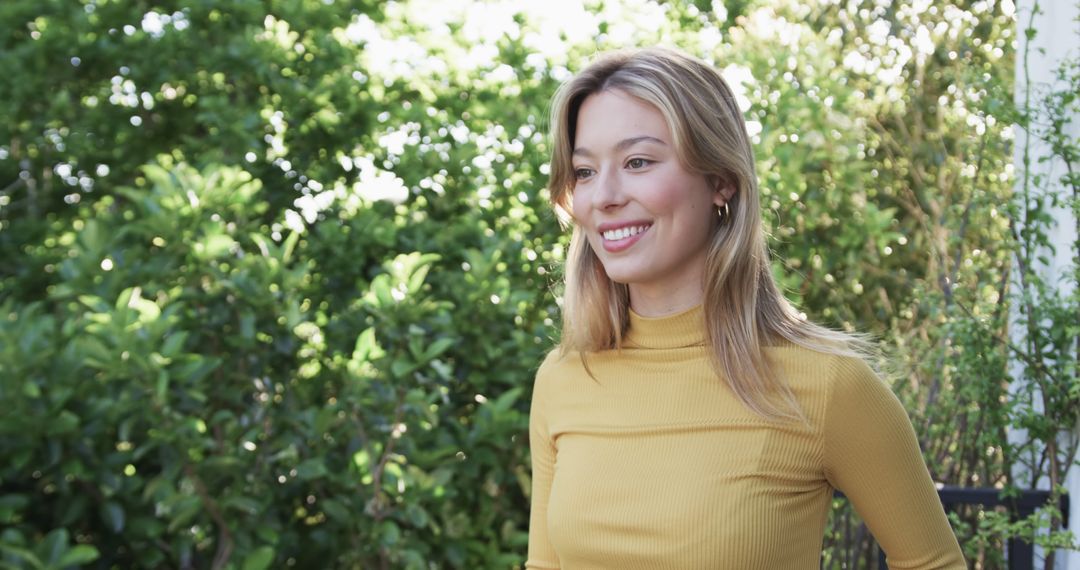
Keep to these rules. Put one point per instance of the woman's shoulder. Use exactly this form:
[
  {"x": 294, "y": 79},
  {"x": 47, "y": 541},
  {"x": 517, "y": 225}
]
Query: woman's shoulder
[
  {"x": 821, "y": 368},
  {"x": 557, "y": 373},
  {"x": 553, "y": 356},
  {"x": 556, "y": 362}
]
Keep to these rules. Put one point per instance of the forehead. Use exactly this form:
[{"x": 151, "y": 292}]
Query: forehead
[{"x": 610, "y": 116}]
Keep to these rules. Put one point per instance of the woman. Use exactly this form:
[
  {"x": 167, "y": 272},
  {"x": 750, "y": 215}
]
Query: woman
[{"x": 690, "y": 419}]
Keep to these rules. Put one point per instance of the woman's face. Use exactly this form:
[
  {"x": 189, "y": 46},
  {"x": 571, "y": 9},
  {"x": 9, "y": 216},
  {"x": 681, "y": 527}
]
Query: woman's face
[{"x": 648, "y": 219}]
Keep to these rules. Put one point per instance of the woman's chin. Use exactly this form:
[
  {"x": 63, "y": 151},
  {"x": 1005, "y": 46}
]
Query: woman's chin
[{"x": 624, "y": 277}]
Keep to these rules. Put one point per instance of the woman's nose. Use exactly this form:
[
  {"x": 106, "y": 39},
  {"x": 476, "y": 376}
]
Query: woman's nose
[{"x": 609, "y": 192}]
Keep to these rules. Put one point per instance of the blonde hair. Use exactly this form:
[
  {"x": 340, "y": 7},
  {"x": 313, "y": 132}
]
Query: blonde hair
[{"x": 744, "y": 310}]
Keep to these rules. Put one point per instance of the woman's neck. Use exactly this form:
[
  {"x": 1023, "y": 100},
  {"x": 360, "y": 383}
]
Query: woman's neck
[{"x": 663, "y": 301}]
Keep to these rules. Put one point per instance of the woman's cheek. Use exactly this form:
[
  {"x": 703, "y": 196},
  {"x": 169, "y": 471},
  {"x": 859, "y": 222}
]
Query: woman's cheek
[{"x": 579, "y": 207}]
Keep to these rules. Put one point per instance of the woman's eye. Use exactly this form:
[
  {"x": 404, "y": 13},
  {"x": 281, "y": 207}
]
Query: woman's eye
[
  {"x": 582, "y": 173},
  {"x": 636, "y": 163}
]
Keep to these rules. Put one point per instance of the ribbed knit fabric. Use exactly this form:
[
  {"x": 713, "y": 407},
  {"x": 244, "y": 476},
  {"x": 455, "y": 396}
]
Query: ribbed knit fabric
[{"x": 656, "y": 465}]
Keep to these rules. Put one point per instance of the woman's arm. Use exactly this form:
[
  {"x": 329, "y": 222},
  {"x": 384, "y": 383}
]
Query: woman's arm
[
  {"x": 542, "y": 555},
  {"x": 871, "y": 454}
]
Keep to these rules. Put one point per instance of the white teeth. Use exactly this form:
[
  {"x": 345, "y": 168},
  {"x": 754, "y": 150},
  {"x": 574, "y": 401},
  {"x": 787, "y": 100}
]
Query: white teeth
[{"x": 623, "y": 233}]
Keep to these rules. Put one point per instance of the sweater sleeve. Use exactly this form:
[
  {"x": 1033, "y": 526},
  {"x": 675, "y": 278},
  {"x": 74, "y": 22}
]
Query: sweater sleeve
[
  {"x": 872, "y": 455},
  {"x": 541, "y": 555}
]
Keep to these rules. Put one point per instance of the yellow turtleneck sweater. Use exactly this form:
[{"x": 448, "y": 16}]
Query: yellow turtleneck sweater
[{"x": 656, "y": 465}]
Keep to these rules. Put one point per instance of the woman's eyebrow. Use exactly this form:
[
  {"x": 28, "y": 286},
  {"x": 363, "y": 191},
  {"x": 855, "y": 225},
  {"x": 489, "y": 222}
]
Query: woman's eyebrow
[{"x": 622, "y": 145}]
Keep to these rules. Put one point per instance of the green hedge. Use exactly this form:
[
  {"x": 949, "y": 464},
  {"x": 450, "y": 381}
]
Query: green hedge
[{"x": 185, "y": 395}]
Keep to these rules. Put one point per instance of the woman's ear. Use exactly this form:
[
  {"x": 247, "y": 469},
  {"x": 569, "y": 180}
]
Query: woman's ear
[{"x": 723, "y": 190}]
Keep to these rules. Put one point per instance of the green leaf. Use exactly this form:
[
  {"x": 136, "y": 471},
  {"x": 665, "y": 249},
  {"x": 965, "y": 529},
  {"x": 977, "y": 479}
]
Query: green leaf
[
  {"x": 390, "y": 532},
  {"x": 94, "y": 303},
  {"x": 402, "y": 367},
  {"x": 147, "y": 309},
  {"x": 20, "y": 553},
  {"x": 264, "y": 245},
  {"x": 289, "y": 246},
  {"x": 267, "y": 534},
  {"x": 197, "y": 368},
  {"x": 10, "y": 505},
  {"x": 113, "y": 515},
  {"x": 173, "y": 343},
  {"x": 214, "y": 246},
  {"x": 65, "y": 422},
  {"x": 362, "y": 460},
  {"x": 92, "y": 237},
  {"x": 30, "y": 389},
  {"x": 161, "y": 386},
  {"x": 313, "y": 468},
  {"x": 124, "y": 298},
  {"x": 80, "y": 554},
  {"x": 54, "y": 546},
  {"x": 505, "y": 400},
  {"x": 336, "y": 511},
  {"x": 247, "y": 505},
  {"x": 259, "y": 559},
  {"x": 417, "y": 515},
  {"x": 188, "y": 509},
  {"x": 96, "y": 353},
  {"x": 367, "y": 348},
  {"x": 416, "y": 280},
  {"x": 247, "y": 326},
  {"x": 438, "y": 347},
  {"x": 378, "y": 293}
]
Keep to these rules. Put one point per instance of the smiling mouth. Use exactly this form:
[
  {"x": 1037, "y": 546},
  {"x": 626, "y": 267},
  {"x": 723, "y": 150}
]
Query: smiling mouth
[{"x": 624, "y": 233}]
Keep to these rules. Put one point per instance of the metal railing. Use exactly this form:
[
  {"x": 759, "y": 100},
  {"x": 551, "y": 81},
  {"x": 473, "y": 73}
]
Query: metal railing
[{"x": 1020, "y": 554}]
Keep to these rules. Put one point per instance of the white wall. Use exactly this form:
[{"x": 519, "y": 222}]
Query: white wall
[{"x": 1058, "y": 36}]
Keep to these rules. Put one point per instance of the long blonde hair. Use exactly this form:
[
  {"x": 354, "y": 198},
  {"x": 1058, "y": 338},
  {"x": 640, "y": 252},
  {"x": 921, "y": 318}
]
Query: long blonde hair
[{"x": 744, "y": 310}]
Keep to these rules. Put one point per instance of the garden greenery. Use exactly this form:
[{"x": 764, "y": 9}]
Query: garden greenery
[{"x": 276, "y": 275}]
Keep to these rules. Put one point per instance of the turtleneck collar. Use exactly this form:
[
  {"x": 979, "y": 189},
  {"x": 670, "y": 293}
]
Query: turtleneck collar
[{"x": 672, "y": 331}]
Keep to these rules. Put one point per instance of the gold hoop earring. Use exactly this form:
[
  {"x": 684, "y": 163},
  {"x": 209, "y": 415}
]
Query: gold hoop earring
[{"x": 723, "y": 212}]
